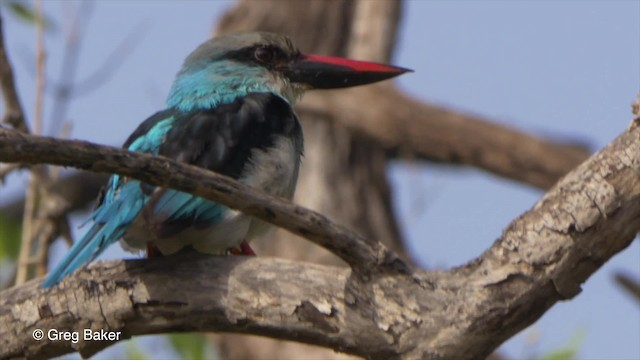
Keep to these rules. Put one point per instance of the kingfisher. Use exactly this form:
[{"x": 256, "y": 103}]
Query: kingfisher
[{"x": 229, "y": 110}]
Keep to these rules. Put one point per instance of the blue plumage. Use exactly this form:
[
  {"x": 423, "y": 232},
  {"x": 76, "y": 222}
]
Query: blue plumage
[
  {"x": 111, "y": 221},
  {"x": 228, "y": 111}
]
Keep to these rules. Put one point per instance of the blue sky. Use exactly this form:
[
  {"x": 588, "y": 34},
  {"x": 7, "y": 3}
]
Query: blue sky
[{"x": 567, "y": 69}]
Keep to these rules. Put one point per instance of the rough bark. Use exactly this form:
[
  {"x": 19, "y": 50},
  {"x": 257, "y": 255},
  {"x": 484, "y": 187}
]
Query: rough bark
[
  {"x": 464, "y": 313},
  {"x": 396, "y": 312},
  {"x": 343, "y": 173},
  {"x": 350, "y": 135}
]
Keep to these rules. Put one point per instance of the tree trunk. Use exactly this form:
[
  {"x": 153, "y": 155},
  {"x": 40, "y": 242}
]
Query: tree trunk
[{"x": 343, "y": 174}]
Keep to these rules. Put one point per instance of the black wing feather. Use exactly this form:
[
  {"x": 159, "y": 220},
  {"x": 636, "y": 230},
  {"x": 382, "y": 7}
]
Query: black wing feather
[{"x": 219, "y": 139}]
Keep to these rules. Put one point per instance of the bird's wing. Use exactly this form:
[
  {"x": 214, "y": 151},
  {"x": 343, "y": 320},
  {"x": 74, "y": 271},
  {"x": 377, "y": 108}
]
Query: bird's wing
[
  {"x": 219, "y": 139},
  {"x": 119, "y": 204}
]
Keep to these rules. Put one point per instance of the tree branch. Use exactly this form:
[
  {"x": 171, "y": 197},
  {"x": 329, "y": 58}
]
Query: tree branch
[
  {"x": 408, "y": 128},
  {"x": 629, "y": 284},
  {"x": 542, "y": 257},
  {"x": 14, "y": 113},
  {"x": 249, "y": 295},
  {"x": 346, "y": 244},
  {"x": 78, "y": 188}
]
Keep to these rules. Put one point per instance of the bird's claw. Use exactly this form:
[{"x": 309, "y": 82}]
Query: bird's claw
[{"x": 243, "y": 249}]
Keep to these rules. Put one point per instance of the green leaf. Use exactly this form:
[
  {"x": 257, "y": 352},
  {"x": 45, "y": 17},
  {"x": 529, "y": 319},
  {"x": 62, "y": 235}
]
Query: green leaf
[
  {"x": 569, "y": 351},
  {"x": 561, "y": 354},
  {"x": 194, "y": 346},
  {"x": 9, "y": 238},
  {"x": 133, "y": 352},
  {"x": 27, "y": 13}
]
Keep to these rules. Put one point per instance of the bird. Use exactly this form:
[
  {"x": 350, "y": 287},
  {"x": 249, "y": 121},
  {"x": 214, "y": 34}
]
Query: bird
[{"x": 229, "y": 110}]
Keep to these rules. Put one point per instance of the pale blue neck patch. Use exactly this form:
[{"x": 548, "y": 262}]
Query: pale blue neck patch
[{"x": 220, "y": 82}]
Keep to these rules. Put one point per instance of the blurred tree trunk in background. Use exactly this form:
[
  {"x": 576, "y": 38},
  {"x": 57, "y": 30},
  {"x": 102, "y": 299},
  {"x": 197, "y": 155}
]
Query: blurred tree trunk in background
[{"x": 343, "y": 174}]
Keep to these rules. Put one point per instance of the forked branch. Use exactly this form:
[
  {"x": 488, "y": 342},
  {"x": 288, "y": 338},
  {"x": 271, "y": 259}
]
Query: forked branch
[{"x": 543, "y": 257}]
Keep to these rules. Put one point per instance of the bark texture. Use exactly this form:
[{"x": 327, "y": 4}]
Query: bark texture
[
  {"x": 391, "y": 311},
  {"x": 343, "y": 173},
  {"x": 380, "y": 306},
  {"x": 350, "y": 135}
]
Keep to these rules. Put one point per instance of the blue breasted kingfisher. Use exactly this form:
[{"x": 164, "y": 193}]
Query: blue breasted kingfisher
[{"x": 229, "y": 110}]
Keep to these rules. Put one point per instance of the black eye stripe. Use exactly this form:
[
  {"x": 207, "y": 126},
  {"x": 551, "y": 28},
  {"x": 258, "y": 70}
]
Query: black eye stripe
[{"x": 249, "y": 54}]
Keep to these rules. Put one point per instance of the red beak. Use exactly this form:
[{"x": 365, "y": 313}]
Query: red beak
[{"x": 326, "y": 72}]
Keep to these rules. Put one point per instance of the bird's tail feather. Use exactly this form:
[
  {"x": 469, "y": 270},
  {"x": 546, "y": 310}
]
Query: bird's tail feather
[
  {"x": 111, "y": 222},
  {"x": 92, "y": 244}
]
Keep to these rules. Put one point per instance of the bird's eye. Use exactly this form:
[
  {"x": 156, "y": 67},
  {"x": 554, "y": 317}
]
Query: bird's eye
[{"x": 264, "y": 54}]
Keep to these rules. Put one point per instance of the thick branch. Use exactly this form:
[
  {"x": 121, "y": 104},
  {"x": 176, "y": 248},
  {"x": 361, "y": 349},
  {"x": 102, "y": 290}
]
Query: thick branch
[
  {"x": 246, "y": 295},
  {"x": 543, "y": 257},
  {"x": 410, "y": 128},
  {"x": 464, "y": 313},
  {"x": 160, "y": 171}
]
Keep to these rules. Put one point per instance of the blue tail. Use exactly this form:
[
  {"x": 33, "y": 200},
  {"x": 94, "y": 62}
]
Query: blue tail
[
  {"x": 82, "y": 252},
  {"x": 111, "y": 222}
]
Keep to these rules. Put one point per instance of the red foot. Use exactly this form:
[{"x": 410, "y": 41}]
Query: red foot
[
  {"x": 153, "y": 251},
  {"x": 244, "y": 249}
]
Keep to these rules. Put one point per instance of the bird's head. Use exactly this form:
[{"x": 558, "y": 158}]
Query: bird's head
[{"x": 226, "y": 67}]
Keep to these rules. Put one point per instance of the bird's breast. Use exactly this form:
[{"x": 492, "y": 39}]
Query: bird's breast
[{"x": 274, "y": 169}]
